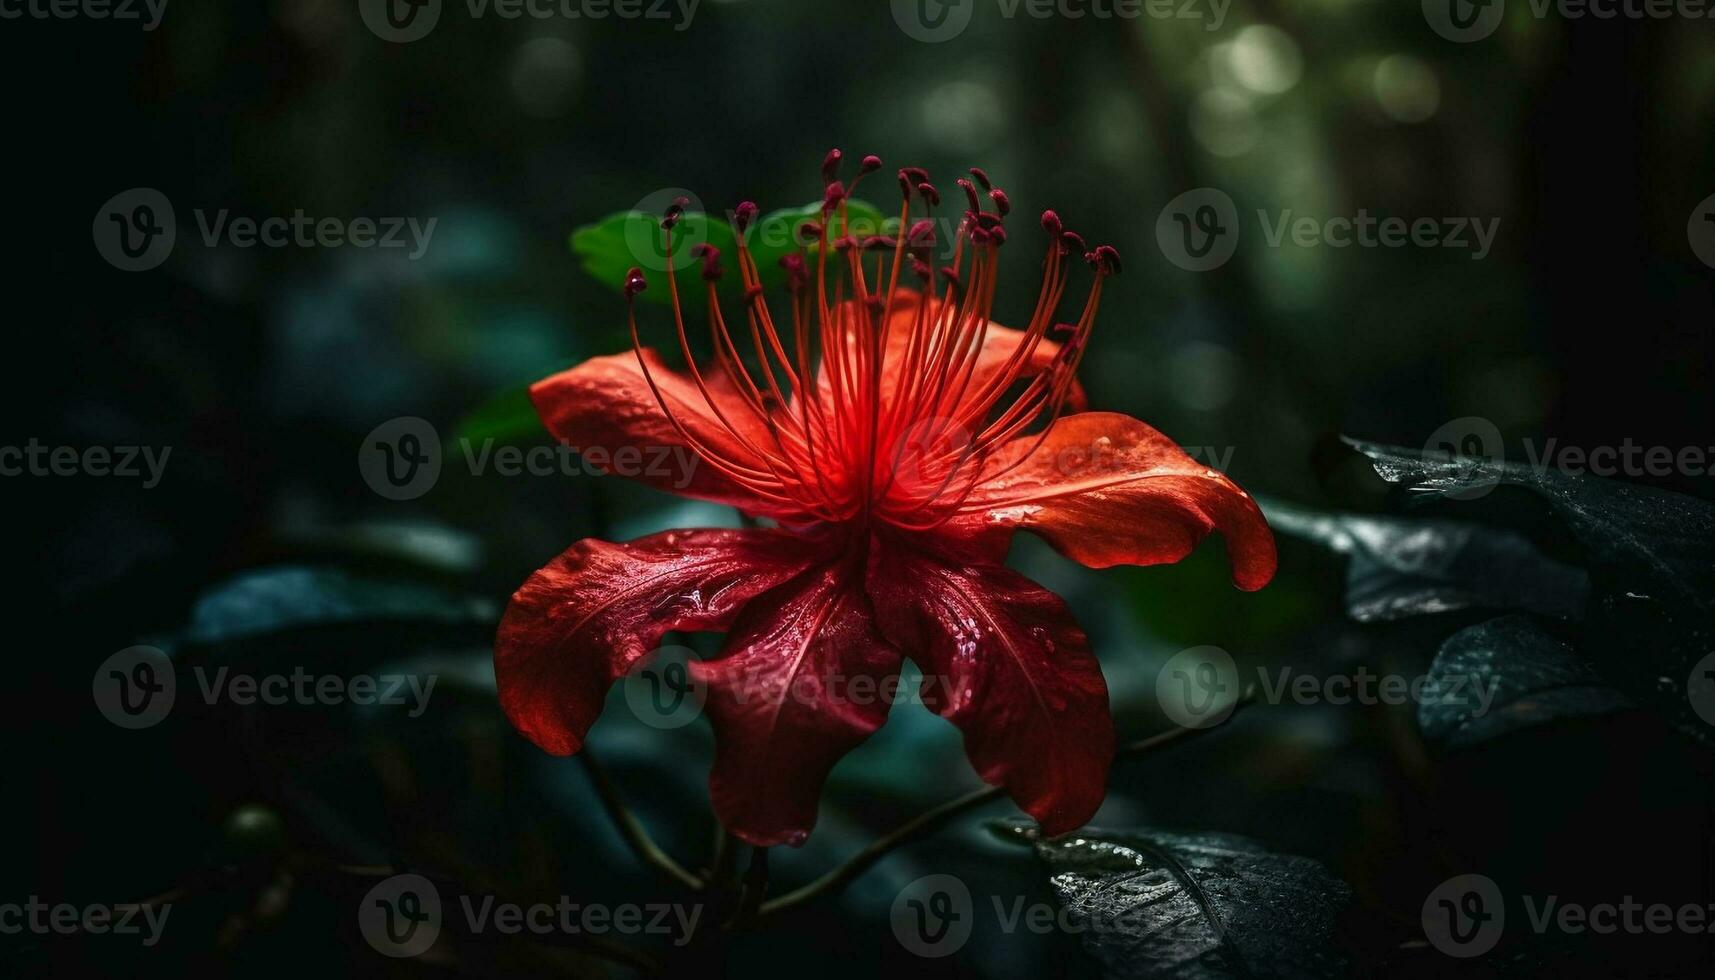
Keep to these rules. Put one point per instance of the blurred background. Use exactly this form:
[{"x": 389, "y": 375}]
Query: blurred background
[{"x": 1585, "y": 144}]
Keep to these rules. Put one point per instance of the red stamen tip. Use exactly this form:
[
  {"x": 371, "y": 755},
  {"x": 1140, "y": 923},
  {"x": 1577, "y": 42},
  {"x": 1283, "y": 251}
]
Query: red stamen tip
[
  {"x": 870, "y": 164},
  {"x": 796, "y": 274},
  {"x": 831, "y": 166},
  {"x": 922, "y": 234},
  {"x": 982, "y": 177},
  {"x": 809, "y": 231},
  {"x": 744, "y": 214},
  {"x": 970, "y": 194},
  {"x": 920, "y": 269},
  {"x": 675, "y": 211},
  {"x": 1071, "y": 241},
  {"x": 835, "y": 194},
  {"x": 951, "y": 275},
  {"x": 1051, "y": 225},
  {"x": 634, "y": 282},
  {"x": 931, "y": 196},
  {"x": 1002, "y": 203},
  {"x": 711, "y": 257},
  {"x": 1107, "y": 259}
]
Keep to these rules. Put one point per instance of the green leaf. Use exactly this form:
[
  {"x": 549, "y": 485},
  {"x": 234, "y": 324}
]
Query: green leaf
[
  {"x": 610, "y": 247},
  {"x": 507, "y": 417}
]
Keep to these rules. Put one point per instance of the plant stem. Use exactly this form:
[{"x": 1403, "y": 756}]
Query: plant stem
[
  {"x": 928, "y": 822},
  {"x": 632, "y": 829}
]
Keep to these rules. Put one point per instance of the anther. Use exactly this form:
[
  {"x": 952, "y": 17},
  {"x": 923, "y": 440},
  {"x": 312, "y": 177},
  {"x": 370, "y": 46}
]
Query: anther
[
  {"x": 634, "y": 282},
  {"x": 870, "y": 164},
  {"x": 1002, "y": 203},
  {"x": 1072, "y": 242},
  {"x": 931, "y": 196},
  {"x": 831, "y": 166},
  {"x": 796, "y": 274},
  {"x": 743, "y": 215},
  {"x": 970, "y": 194},
  {"x": 675, "y": 211},
  {"x": 982, "y": 177},
  {"x": 711, "y": 257},
  {"x": 1051, "y": 225},
  {"x": 1108, "y": 259}
]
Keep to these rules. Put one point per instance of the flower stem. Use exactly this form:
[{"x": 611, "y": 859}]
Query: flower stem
[
  {"x": 930, "y": 821},
  {"x": 631, "y": 829}
]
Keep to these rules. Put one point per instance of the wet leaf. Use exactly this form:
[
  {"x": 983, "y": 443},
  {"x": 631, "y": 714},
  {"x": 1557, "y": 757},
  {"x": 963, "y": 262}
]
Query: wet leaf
[
  {"x": 1402, "y": 567},
  {"x": 1651, "y": 558},
  {"x": 1258, "y": 914},
  {"x": 1505, "y": 675},
  {"x": 273, "y": 600}
]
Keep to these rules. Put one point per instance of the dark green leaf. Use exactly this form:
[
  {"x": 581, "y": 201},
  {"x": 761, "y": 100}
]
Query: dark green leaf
[
  {"x": 1505, "y": 675},
  {"x": 1651, "y": 556},
  {"x": 1267, "y": 915},
  {"x": 1402, "y": 567},
  {"x": 273, "y": 600}
]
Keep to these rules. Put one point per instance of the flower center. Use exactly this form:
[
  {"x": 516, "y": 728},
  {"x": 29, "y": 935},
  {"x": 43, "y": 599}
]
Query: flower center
[{"x": 890, "y": 399}]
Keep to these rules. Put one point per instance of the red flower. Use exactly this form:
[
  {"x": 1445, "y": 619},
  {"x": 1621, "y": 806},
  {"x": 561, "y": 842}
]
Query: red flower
[{"x": 894, "y": 486}]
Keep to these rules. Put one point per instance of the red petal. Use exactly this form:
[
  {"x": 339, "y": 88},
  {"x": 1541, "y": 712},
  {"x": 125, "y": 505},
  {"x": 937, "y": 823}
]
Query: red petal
[
  {"x": 581, "y": 622},
  {"x": 805, "y": 677},
  {"x": 1003, "y": 660},
  {"x": 605, "y": 403},
  {"x": 1106, "y": 489}
]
